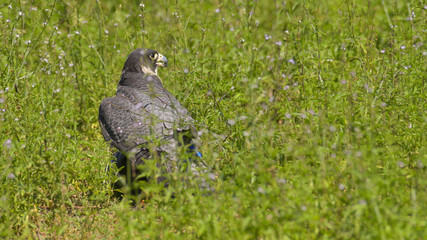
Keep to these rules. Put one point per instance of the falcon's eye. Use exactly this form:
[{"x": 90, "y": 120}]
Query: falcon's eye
[{"x": 153, "y": 55}]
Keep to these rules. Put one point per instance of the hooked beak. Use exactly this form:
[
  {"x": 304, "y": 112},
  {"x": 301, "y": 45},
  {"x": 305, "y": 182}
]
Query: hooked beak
[{"x": 162, "y": 61}]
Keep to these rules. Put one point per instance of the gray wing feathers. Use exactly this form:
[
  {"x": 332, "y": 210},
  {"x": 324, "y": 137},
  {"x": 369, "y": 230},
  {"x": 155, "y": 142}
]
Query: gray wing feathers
[
  {"x": 121, "y": 125},
  {"x": 132, "y": 114}
]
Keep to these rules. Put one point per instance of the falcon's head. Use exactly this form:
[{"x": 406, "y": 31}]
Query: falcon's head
[{"x": 144, "y": 61}]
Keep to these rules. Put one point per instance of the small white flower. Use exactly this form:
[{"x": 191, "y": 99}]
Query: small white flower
[
  {"x": 7, "y": 143},
  {"x": 291, "y": 61},
  {"x": 341, "y": 187},
  {"x": 366, "y": 86},
  {"x": 281, "y": 180},
  {"x": 217, "y": 10},
  {"x": 231, "y": 122},
  {"x": 243, "y": 117},
  {"x": 77, "y": 32},
  {"x": 106, "y": 31}
]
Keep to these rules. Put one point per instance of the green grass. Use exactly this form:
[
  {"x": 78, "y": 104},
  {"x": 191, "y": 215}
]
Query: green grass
[{"x": 313, "y": 112}]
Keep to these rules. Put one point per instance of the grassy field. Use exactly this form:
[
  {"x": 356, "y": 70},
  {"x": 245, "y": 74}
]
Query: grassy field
[{"x": 313, "y": 113}]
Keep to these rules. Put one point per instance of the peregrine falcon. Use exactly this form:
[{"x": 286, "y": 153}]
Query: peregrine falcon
[{"x": 143, "y": 112}]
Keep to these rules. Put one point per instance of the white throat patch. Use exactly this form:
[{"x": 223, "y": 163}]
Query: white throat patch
[{"x": 148, "y": 71}]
